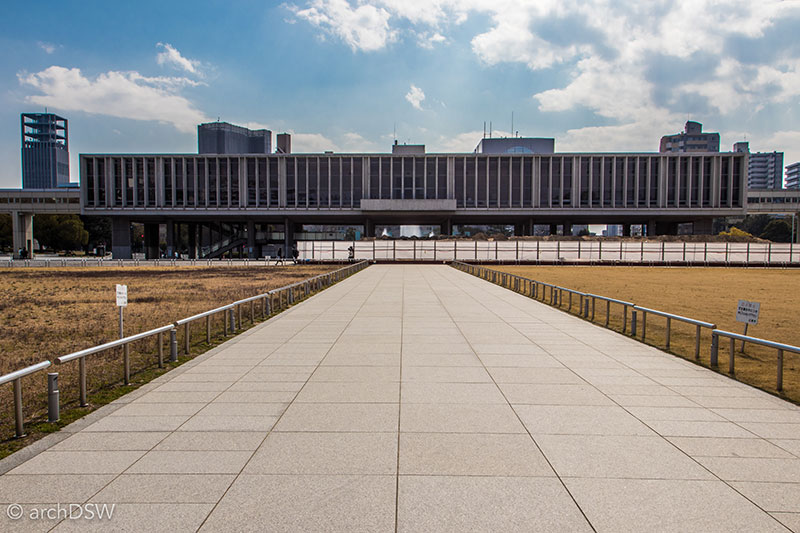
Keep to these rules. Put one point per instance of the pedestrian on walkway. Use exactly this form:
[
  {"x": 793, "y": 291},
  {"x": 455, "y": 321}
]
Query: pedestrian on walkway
[
  {"x": 295, "y": 254},
  {"x": 280, "y": 257}
]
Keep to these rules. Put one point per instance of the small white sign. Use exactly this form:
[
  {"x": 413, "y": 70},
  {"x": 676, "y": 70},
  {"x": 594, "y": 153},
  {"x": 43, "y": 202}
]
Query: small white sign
[
  {"x": 122, "y": 295},
  {"x": 747, "y": 312}
]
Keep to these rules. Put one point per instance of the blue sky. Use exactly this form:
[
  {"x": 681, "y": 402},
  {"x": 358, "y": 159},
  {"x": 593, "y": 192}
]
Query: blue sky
[{"x": 340, "y": 75}]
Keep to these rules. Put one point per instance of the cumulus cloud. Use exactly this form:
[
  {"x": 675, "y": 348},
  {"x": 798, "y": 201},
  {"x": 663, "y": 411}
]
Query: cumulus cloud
[
  {"x": 415, "y": 97},
  {"x": 118, "y": 94},
  {"x": 169, "y": 55},
  {"x": 364, "y": 27}
]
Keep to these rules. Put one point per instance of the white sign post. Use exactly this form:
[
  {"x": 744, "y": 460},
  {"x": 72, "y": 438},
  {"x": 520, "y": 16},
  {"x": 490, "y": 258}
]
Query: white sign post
[
  {"x": 747, "y": 312},
  {"x": 122, "y": 301}
]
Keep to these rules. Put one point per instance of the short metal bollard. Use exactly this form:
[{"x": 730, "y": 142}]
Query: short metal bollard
[
  {"x": 173, "y": 345},
  {"x": 52, "y": 397},
  {"x": 232, "y": 321}
]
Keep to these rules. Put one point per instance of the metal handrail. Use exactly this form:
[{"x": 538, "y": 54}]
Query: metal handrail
[
  {"x": 112, "y": 344},
  {"x": 780, "y": 347},
  {"x": 698, "y": 324},
  {"x": 16, "y": 378},
  {"x": 22, "y": 372}
]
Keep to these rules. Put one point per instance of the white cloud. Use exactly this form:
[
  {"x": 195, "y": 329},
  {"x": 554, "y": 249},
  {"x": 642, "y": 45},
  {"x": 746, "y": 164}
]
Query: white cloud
[
  {"x": 169, "y": 55},
  {"x": 312, "y": 143},
  {"x": 118, "y": 94},
  {"x": 364, "y": 27},
  {"x": 47, "y": 47},
  {"x": 415, "y": 97}
]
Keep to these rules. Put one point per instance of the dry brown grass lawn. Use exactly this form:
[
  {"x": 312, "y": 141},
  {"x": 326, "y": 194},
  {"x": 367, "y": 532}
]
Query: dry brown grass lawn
[
  {"x": 708, "y": 294},
  {"x": 45, "y": 313}
]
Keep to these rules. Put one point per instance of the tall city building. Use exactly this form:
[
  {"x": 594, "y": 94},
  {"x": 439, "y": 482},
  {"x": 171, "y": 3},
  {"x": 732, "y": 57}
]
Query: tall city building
[
  {"x": 764, "y": 169},
  {"x": 692, "y": 139},
  {"x": 225, "y": 138},
  {"x": 793, "y": 176},
  {"x": 45, "y": 151}
]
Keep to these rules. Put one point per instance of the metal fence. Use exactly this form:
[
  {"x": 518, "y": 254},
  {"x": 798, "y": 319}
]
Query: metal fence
[
  {"x": 554, "y": 252},
  {"x": 71, "y": 262},
  {"x": 269, "y": 303}
]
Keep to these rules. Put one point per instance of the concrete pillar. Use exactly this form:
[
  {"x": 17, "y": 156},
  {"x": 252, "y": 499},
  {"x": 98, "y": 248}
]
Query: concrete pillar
[
  {"x": 519, "y": 230},
  {"x": 626, "y": 230},
  {"x": 170, "y": 239},
  {"x": 121, "y": 238},
  {"x": 151, "y": 248},
  {"x": 531, "y": 227},
  {"x": 651, "y": 227},
  {"x": 251, "y": 240},
  {"x": 448, "y": 227},
  {"x": 567, "y": 228},
  {"x": 369, "y": 228},
  {"x": 192, "y": 241},
  {"x": 288, "y": 237},
  {"x": 553, "y": 229},
  {"x": 22, "y": 233}
]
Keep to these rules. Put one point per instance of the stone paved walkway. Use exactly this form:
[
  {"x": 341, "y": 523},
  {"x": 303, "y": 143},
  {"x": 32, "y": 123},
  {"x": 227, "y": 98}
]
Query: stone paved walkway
[{"x": 419, "y": 398}]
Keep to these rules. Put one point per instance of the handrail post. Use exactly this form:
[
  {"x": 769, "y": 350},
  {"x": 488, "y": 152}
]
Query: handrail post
[
  {"x": 714, "y": 362},
  {"x": 239, "y": 316},
  {"x": 252, "y": 311},
  {"x": 733, "y": 357},
  {"x": 669, "y": 324},
  {"x": 608, "y": 311},
  {"x": 225, "y": 323},
  {"x": 593, "y": 302},
  {"x": 19, "y": 426},
  {"x": 779, "y": 386},
  {"x": 697, "y": 343},
  {"x": 624, "y": 318},
  {"x": 633, "y": 322},
  {"x": 82, "y": 380},
  {"x": 208, "y": 329},
  {"x": 126, "y": 358},
  {"x": 644, "y": 324}
]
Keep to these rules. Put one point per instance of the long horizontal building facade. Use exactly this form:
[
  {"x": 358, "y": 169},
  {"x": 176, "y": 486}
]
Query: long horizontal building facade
[{"x": 285, "y": 192}]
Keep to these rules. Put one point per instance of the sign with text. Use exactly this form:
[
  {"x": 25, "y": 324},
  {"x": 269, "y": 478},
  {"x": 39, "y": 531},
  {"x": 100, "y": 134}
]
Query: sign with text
[
  {"x": 122, "y": 295},
  {"x": 747, "y": 312}
]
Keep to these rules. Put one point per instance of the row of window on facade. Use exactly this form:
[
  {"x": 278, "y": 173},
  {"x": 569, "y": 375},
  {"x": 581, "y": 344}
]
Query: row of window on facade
[{"x": 479, "y": 182}]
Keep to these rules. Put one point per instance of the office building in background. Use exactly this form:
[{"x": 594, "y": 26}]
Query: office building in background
[
  {"x": 225, "y": 138},
  {"x": 45, "y": 151}
]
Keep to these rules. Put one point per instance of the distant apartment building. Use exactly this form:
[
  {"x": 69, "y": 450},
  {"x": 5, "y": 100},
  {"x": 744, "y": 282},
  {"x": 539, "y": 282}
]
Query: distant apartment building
[
  {"x": 764, "y": 169},
  {"x": 793, "y": 176},
  {"x": 225, "y": 138},
  {"x": 692, "y": 139},
  {"x": 45, "y": 151}
]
